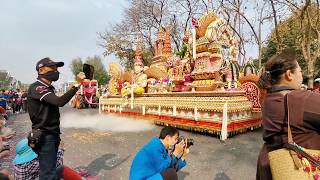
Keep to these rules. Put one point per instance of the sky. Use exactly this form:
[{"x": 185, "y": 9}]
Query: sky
[{"x": 60, "y": 29}]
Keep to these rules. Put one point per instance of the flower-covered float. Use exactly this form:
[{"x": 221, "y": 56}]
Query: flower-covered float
[{"x": 200, "y": 89}]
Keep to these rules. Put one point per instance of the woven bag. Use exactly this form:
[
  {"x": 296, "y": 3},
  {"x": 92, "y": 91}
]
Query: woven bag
[{"x": 294, "y": 162}]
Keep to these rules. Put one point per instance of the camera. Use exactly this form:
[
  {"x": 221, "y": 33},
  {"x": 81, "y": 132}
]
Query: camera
[
  {"x": 88, "y": 71},
  {"x": 189, "y": 143}
]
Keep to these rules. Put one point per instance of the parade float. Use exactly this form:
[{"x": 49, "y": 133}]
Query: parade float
[
  {"x": 87, "y": 96},
  {"x": 201, "y": 88}
]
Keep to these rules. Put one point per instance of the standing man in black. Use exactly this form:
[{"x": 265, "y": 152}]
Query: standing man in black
[{"x": 43, "y": 108}]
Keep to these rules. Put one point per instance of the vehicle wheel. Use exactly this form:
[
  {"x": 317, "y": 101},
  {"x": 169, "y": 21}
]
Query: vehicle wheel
[{"x": 95, "y": 100}]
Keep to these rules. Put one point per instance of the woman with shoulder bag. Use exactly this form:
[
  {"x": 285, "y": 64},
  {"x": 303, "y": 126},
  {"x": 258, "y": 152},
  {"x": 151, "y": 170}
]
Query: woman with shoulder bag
[{"x": 283, "y": 78}]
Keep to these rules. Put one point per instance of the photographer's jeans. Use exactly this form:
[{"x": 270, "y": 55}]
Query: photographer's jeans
[{"x": 47, "y": 155}]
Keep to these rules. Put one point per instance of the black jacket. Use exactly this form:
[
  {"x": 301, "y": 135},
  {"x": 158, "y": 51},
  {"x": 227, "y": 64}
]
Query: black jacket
[{"x": 43, "y": 106}]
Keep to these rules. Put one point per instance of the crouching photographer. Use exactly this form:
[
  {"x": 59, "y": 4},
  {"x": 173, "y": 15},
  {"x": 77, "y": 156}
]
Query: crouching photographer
[{"x": 161, "y": 158}]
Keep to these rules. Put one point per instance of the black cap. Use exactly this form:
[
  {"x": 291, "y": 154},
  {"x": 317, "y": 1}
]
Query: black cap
[{"x": 47, "y": 62}]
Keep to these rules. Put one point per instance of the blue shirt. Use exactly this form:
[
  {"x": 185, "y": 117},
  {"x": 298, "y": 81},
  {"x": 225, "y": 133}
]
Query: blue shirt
[
  {"x": 3, "y": 99},
  {"x": 151, "y": 160}
]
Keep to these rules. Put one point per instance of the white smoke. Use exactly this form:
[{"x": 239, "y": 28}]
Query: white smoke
[{"x": 104, "y": 122}]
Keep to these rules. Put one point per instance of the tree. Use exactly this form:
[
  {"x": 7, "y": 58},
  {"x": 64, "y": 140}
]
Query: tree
[
  {"x": 301, "y": 32},
  {"x": 247, "y": 19},
  {"x": 143, "y": 18},
  {"x": 310, "y": 37},
  {"x": 76, "y": 66},
  {"x": 5, "y": 79}
]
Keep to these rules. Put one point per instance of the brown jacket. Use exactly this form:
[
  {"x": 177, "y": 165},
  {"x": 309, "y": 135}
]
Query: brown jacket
[{"x": 304, "y": 114}]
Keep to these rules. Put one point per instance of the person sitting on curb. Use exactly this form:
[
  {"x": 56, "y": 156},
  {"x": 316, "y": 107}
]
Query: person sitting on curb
[
  {"x": 5, "y": 175},
  {"x": 161, "y": 158},
  {"x": 3, "y": 113},
  {"x": 26, "y": 164},
  {"x": 5, "y": 132},
  {"x": 4, "y": 149},
  {"x": 4, "y": 152}
]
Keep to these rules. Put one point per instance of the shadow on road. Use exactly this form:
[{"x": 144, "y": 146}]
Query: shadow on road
[
  {"x": 105, "y": 162},
  {"x": 221, "y": 176},
  {"x": 182, "y": 175}
]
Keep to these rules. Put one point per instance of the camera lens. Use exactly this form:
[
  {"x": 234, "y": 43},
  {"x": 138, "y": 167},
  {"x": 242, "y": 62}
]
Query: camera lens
[
  {"x": 190, "y": 142},
  {"x": 180, "y": 139}
]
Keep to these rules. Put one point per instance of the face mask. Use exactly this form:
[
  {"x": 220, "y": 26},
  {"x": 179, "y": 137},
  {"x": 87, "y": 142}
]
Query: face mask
[{"x": 51, "y": 76}]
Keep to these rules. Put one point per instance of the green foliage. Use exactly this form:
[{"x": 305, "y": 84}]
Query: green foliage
[
  {"x": 5, "y": 79},
  {"x": 268, "y": 51},
  {"x": 129, "y": 59},
  {"x": 183, "y": 51},
  {"x": 117, "y": 42},
  {"x": 76, "y": 66},
  {"x": 271, "y": 50},
  {"x": 290, "y": 37},
  {"x": 255, "y": 63}
]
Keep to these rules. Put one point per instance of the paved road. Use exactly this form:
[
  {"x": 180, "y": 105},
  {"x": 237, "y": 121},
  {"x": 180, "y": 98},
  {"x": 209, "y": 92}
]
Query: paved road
[{"x": 108, "y": 154}]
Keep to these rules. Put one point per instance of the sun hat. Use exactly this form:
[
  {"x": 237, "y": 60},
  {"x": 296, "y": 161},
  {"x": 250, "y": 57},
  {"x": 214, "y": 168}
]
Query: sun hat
[{"x": 24, "y": 153}]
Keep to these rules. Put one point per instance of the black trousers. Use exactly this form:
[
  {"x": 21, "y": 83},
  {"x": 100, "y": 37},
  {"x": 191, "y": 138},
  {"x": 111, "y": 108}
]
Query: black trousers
[{"x": 169, "y": 174}]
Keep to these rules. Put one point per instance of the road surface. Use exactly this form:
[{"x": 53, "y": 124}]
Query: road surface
[{"x": 107, "y": 152}]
